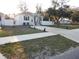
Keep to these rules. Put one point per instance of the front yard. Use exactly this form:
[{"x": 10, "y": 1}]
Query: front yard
[
  {"x": 66, "y": 26},
  {"x": 18, "y": 30},
  {"x": 30, "y": 49}
]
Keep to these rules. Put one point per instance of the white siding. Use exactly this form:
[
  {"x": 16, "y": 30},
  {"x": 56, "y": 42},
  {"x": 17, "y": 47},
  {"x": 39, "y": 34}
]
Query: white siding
[
  {"x": 47, "y": 23},
  {"x": 65, "y": 21},
  {"x": 8, "y": 22},
  {"x": 19, "y": 20}
]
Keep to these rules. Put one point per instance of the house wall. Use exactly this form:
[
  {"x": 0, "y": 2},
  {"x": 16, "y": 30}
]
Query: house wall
[
  {"x": 47, "y": 23},
  {"x": 20, "y": 20},
  {"x": 8, "y": 22},
  {"x": 31, "y": 21},
  {"x": 65, "y": 21},
  {"x": 2, "y": 18}
]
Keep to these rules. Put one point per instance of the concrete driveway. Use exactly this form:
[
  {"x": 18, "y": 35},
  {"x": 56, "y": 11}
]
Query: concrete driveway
[
  {"x": 71, "y": 54},
  {"x": 71, "y": 34}
]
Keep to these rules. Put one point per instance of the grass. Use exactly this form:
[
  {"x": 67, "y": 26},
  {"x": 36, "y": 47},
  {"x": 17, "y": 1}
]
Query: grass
[
  {"x": 55, "y": 44},
  {"x": 3, "y": 33},
  {"x": 66, "y": 26},
  {"x": 18, "y": 30}
]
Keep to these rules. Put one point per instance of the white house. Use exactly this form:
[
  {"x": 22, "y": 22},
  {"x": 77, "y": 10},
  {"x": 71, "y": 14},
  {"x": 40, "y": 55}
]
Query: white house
[
  {"x": 2, "y": 17},
  {"x": 6, "y": 21},
  {"x": 25, "y": 19},
  {"x": 32, "y": 19},
  {"x": 65, "y": 21}
]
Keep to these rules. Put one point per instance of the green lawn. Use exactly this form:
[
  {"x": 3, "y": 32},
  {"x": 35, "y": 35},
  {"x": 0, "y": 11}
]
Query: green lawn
[
  {"x": 66, "y": 26},
  {"x": 18, "y": 30},
  {"x": 54, "y": 44}
]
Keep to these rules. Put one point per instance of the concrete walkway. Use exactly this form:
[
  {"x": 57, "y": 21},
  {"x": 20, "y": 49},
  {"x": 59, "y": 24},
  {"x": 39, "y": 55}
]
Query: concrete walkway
[
  {"x": 71, "y": 34},
  {"x": 12, "y": 39}
]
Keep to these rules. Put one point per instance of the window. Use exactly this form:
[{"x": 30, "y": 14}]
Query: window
[
  {"x": 26, "y": 18},
  {"x": 31, "y": 20},
  {"x": 45, "y": 19}
]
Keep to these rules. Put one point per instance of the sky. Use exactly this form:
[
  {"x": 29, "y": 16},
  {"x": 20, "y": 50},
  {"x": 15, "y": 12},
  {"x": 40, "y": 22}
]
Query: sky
[{"x": 11, "y": 6}]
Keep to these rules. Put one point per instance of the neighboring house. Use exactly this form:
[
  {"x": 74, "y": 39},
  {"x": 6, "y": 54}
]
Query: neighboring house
[
  {"x": 8, "y": 22},
  {"x": 65, "y": 21},
  {"x": 2, "y": 17}
]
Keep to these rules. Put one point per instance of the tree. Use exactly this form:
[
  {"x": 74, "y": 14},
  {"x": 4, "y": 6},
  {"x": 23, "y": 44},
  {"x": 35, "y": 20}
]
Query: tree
[
  {"x": 63, "y": 3},
  {"x": 38, "y": 9},
  {"x": 55, "y": 4},
  {"x": 54, "y": 11},
  {"x": 75, "y": 17},
  {"x": 39, "y": 15},
  {"x": 53, "y": 14},
  {"x": 65, "y": 12},
  {"x": 23, "y": 7},
  {"x": 57, "y": 11}
]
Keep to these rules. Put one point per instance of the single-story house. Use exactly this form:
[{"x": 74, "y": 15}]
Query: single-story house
[
  {"x": 6, "y": 20},
  {"x": 32, "y": 19},
  {"x": 65, "y": 21},
  {"x": 25, "y": 19}
]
